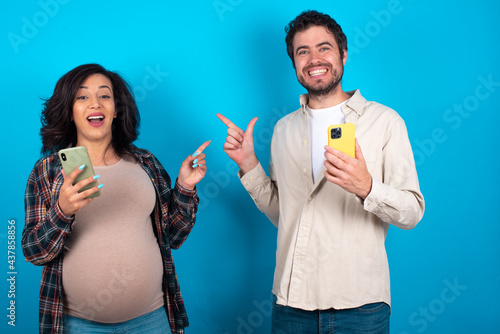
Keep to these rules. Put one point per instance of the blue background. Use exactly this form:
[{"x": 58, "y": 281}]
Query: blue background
[{"x": 188, "y": 60}]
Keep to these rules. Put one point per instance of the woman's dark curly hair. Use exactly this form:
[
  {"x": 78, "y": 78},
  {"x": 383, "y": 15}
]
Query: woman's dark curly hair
[
  {"x": 310, "y": 18},
  {"x": 58, "y": 129}
]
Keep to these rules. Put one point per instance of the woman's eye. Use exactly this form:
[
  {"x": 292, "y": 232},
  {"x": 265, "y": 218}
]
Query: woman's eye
[
  {"x": 81, "y": 97},
  {"x": 105, "y": 96}
]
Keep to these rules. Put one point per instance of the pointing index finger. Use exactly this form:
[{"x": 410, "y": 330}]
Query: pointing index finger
[
  {"x": 226, "y": 121},
  {"x": 201, "y": 148}
]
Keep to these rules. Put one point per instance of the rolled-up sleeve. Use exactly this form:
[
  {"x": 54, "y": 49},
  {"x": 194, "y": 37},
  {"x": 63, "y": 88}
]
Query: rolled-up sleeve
[
  {"x": 396, "y": 198},
  {"x": 263, "y": 191}
]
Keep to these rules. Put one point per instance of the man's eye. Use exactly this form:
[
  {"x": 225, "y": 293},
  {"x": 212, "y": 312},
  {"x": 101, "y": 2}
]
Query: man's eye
[{"x": 302, "y": 52}]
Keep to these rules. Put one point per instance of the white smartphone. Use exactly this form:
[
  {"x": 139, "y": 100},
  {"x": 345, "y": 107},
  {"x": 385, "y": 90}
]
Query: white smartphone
[{"x": 74, "y": 157}]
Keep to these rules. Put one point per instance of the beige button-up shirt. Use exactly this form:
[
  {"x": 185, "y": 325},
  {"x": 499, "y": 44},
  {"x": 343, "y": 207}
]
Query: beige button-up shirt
[{"x": 330, "y": 247}]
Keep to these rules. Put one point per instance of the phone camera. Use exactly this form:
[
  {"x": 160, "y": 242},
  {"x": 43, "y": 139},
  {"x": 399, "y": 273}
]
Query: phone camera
[
  {"x": 336, "y": 133},
  {"x": 63, "y": 156}
]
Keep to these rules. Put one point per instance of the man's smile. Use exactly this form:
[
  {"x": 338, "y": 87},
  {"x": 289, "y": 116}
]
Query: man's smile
[{"x": 317, "y": 72}]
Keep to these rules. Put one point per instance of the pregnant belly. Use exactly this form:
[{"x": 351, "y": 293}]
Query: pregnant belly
[{"x": 116, "y": 282}]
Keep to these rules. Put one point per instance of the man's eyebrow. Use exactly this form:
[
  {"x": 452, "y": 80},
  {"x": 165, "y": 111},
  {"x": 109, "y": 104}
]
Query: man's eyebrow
[
  {"x": 317, "y": 45},
  {"x": 324, "y": 43},
  {"x": 301, "y": 47}
]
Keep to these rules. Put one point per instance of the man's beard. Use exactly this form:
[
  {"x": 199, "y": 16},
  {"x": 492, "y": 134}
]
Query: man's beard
[{"x": 324, "y": 89}]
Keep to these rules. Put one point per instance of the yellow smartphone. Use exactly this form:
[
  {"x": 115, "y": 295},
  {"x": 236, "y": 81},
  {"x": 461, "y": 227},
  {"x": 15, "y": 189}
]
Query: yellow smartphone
[
  {"x": 72, "y": 158},
  {"x": 341, "y": 137}
]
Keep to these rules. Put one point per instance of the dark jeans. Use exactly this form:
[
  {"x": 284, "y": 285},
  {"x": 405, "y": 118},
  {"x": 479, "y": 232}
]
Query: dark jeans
[{"x": 367, "y": 319}]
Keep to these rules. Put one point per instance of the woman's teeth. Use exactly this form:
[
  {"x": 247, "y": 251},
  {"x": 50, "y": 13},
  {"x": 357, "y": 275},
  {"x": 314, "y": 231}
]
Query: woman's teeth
[{"x": 95, "y": 119}]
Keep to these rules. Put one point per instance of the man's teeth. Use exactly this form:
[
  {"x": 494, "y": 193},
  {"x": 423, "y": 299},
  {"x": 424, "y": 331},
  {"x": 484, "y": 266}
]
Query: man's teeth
[{"x": 317, "y": 72}]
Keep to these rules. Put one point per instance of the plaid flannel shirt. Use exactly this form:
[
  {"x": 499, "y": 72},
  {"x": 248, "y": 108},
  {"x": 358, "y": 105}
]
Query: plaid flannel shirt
[{"x": 47, "y": 228}]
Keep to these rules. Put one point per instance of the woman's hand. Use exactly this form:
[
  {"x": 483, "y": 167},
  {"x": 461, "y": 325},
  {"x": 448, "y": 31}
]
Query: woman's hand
[
  {"x": 194, "y": 168},
  {"x": 70, "y": 200}
]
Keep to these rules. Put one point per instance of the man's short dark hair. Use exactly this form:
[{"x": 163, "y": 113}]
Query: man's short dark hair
[{"x": 310, "y": 18}]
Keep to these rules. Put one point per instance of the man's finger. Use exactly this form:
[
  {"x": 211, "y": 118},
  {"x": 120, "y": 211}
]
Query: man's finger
[
  {"x": 231, "y": 140},
  {"x": 229, "y": 146},
  {"x": 334, "y": 158},
  {"x": 250, "y": 126},
  {"x": 228, "y": 123},
  {"x": 342, "y": 156},
  {"x": 332, "y": 151},
  {"x": 237, "y": 135}
]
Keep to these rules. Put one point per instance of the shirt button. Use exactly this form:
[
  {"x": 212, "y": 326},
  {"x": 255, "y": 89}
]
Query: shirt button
[
  {"x": 304, "y": 228},
  {"x": 299, "y": 258},
  {"x": 305, "y": 143},
  {"x": 245, "y": 183},
  {"x": 310, "y": 198},
  {"x": 305, "y": 170}
]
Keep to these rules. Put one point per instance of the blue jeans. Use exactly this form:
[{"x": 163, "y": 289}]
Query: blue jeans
[
  {"x": 367, "y": 319},
  {"x": 155, "y": 322}
]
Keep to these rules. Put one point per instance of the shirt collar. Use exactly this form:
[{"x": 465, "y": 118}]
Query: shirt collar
[
  {"x": 141, "y": 154},
  {"x": 356, "y": 102}
]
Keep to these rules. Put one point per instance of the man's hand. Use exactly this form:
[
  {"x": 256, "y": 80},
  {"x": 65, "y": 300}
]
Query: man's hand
[
  {"x": 347, "y": 172},
  {"x": 239, "y": 144}
]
